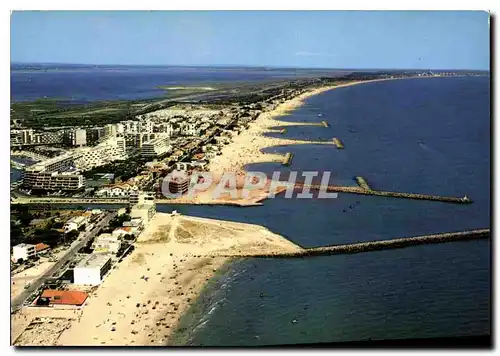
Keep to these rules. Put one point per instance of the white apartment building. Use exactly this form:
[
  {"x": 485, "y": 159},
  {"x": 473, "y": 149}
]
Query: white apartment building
[
  {"x": 56, "y": 164},
  {"x": 76, "y": 137},
  {"x": 54, "y": 174},
  {"x": 146, "y": 126},
  {"x": 110, "y": 130},
  {"x": 141, "y": 126},
  {"x": 49, "y": 137},
  {"x": 21, "y": 137},
  {"x": 190, "y": 129},
  {"x": 23, "y": 251},
  {"x": 53, "y": 181},
  {"x": 140, "y": 198},
  {"x": 91, "y": 269},
  {"x": 121, "y": 145},
  {"x": 165, "y": 128},
  {"x": 111, "y": 149},
  {"x": 135, "y": 140},
  {"x": 120, "y": 128},
  {"x": 155, "y": 147},
  {"x": 130, "y": 126}
]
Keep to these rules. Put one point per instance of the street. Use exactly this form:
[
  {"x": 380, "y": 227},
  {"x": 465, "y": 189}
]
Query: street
[{"x": 17, "y": 302}]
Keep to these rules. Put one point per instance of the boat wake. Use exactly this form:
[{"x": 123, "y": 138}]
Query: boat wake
[{"x": 432, "y": 150}]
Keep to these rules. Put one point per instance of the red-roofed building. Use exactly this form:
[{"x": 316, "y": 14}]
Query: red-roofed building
[
  {"x": 41, "y": 247},
  {"x": 125, "y": 230},
  {"x": 61, "y": 297}
]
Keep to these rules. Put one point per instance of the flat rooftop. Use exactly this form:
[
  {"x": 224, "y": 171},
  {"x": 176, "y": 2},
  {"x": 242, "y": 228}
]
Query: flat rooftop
[
  {"x": 93, "y": 261},
  {"x": 25, "y": 245}
]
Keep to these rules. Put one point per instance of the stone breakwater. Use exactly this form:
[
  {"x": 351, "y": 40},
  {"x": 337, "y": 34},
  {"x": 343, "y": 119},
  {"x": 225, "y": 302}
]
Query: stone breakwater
[{"x": 376, "y": 245}]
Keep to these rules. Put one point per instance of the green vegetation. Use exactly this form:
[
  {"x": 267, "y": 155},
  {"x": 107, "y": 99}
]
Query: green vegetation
[
  {"x": 115, "y": 223},
  {"x": 55, "y": 113},
  {"x": 46, "y": 229},
  {"x": 123, "y": 170}
]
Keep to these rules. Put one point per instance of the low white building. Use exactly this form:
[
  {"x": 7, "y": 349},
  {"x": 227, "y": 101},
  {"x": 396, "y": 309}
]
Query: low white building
[
  {"x": 137, "y": 223},
  {"x": 23, "y": 251},
  {"x": 107, "y": 243},
  {"x": 118, "y": 190},
  {"x": 75, "y": 223},
  {"x": 143, "y": 211},
  {"x": 91, "y": 269},
  {"x": 125, "y": 230}
]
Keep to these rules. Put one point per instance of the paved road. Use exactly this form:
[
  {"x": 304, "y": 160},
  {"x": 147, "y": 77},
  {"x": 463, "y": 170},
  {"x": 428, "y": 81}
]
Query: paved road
[
  {"x": 18, "y": 301},
  {"x": 56, "y": 200}
]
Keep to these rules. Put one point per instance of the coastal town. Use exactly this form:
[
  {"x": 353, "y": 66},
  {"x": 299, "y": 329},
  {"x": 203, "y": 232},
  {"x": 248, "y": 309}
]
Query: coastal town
[
  {"x": 63, "y": 258},
  {"x": 219, "y": 178},
  {"x": 108, "y": 163}
]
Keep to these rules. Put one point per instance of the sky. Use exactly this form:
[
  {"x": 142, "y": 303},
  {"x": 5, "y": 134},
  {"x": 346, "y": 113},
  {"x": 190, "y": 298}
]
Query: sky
[{"x": 321, "y": 39}]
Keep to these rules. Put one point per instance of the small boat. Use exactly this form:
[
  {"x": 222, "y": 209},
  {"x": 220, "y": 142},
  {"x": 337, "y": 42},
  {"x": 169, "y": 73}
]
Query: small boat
[{"x": 320, "y": 114}]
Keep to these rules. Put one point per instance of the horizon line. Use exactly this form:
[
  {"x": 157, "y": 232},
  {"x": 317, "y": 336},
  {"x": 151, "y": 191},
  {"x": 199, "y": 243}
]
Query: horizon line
[{"x": 239, "y": 66}]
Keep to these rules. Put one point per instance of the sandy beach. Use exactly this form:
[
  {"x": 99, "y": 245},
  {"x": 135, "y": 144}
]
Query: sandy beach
[
  {"x": 246, "y": 148},
  {"x": 142, "y": 298}
]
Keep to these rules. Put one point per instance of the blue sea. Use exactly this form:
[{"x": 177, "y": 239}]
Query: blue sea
[
  {"x": 415, "y": 135},
  {"x": 418, "y": 135}
]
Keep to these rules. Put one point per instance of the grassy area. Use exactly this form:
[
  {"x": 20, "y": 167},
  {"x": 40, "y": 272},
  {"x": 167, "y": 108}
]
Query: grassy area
[
  {"x": 43, "y": 113},
  {"x": 57, "y": 112}
]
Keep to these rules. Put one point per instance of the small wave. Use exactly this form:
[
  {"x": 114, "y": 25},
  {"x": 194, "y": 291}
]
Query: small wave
[
  {"x": 212, "y": 309},
  {"x": 199, "y": 325}
]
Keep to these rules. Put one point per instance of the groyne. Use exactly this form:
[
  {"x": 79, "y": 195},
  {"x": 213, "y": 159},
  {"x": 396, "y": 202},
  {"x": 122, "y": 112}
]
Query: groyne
[
  {"x": 338, "y": 143},
  {"x": 360, "y": 190},
  {"x": 287, "y": 161},
  {"x": 363, "y": 183},
  {"x": 376, "y": 245}
]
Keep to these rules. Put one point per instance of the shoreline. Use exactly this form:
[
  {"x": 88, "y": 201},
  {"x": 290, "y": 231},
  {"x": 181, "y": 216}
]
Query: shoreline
[
  {"x": 246, "y": 148},
  {"x": 142, "y": 299},
  {"x": 197, "y": 274}
]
